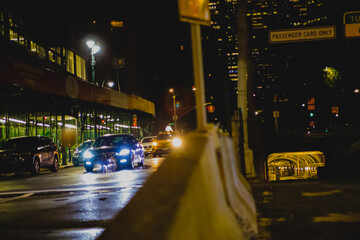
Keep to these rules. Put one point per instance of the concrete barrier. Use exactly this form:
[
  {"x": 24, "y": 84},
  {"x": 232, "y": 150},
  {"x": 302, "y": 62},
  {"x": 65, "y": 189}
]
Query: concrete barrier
[
  {"x": 196, "y": 194},
  {"x": 237, "y": 189}
]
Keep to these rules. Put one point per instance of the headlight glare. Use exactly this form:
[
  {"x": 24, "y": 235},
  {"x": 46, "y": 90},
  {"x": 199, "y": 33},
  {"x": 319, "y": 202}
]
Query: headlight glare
[
  {"x": 88, "y": 154},
  {"x": 124, "y": 152},
  {"x": 154, "y": 144},
  {"x": 176, "y": 142}
]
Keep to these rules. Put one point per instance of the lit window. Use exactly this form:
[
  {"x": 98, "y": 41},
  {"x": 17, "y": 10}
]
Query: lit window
[
  {"x": 13, "y": 36},
  {"x": 117, "y": 24},
  {"x": 80, "y": 67},
  {"x": 51, "y": 56},
  {"x": 21, "y": 40},
  {"x": 41, "y": 52},
  {"x": 33, "y": 46},
  {"x": 54, "y": 57},
  {"x": 70, "y": 61}
]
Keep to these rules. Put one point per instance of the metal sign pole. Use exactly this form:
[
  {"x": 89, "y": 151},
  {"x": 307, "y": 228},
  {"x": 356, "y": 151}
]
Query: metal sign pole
[{"x": 198, "y": 76}]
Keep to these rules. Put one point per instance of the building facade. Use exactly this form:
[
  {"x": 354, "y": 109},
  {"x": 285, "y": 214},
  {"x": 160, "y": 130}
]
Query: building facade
[{"x": 45, "y": 90}]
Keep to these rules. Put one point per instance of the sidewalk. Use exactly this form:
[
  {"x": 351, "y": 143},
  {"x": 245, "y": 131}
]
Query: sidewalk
[{"x": 315, "y": 209}]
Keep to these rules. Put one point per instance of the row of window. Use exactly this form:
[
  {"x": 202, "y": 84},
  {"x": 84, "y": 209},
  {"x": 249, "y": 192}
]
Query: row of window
[
  {"x": 51, "y": 126},
  {"x": 72, "y": 62}
]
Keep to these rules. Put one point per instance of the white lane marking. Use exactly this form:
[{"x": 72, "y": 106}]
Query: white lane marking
[
  {"x": 70, "y": 189},
  {"x": 317, "y": 194},
  {"x": 338, "y": 217},
  {"x": 17, "y": 197}
]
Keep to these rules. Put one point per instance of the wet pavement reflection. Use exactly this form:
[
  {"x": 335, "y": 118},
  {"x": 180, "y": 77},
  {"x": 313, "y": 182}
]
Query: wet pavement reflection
[{"x": 69, "y": 204}]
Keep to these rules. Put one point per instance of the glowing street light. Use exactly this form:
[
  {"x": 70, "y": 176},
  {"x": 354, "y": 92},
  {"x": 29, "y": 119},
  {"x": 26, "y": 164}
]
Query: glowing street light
[
  {"x": 111, "y": 84},
  {"x": 94, "y": 49}
]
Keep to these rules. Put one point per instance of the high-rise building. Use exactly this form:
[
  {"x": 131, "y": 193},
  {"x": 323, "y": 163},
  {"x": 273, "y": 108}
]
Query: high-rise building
[
  {"x": 273, "y": 64},
  {"x": 283, "y": 76},
  {"x": 220, "y": 59}
]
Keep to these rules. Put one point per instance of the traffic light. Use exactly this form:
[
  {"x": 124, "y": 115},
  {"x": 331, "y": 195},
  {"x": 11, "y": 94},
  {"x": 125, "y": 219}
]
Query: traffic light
[
  {"x": 311, "y": 114},
  {"x": 211, "y": 108},
  {"x": 177, "y": 104}
]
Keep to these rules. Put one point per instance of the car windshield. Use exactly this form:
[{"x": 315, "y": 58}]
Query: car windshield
[
  {"x": 164, "y": 136},
  {"x": 112, "y": 141},
  {"x": 85, "y": 145},
  {"x": 146, "y": 140},
  {"x": 20, "y": 143}
]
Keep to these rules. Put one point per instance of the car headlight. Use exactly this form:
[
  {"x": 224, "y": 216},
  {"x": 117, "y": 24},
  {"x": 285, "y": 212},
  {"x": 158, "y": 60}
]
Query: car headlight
[
  {"x": 176, "y": 142},
  {"x": 88, "y": 154},
  {"x": 124, "y": 152},
  {"x": 88, "y": 162},
  {"x": 154, "y": 144}
]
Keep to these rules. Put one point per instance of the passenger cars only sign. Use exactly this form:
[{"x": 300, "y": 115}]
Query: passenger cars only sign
[{"x": 302, "y": 34}]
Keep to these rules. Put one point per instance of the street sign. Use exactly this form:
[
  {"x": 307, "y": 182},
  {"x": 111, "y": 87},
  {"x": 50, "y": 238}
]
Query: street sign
[
  {"x": 119, "y": 63},
  {"x": 302, "y": 34},
  {"x": 335, "y": 109},
  {"x": 352, "y": 24},
  {"x": 194, "y": 11}
]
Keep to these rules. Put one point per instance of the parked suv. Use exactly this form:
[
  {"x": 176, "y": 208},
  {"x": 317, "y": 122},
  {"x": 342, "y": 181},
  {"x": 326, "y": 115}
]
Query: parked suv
[{"x": 28, "y": 154}]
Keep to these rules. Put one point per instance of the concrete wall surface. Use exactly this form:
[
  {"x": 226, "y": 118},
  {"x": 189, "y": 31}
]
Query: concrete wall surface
[{"x": 197, "y": 193}]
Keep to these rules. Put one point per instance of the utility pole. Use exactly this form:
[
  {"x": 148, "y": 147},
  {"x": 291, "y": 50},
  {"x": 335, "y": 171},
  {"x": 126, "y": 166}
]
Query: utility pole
[
  {"x": 242, "y": 86},
  {"x": 198, "y": 76}
]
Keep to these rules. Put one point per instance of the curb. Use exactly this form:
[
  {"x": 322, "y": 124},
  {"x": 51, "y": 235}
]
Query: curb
[{"x": 66, "y": 166}]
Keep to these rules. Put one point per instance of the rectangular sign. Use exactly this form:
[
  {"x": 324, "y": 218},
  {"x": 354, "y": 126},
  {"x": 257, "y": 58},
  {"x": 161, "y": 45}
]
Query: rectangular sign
[
  {"x": 335, "y": 109},
  {"x": 352, "y": 24},
  {"x": 194, "y": 11},
  {"x": 302, "y": 34}
]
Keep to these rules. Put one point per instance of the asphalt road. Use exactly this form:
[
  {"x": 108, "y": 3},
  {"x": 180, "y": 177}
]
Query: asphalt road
[
  {"x": 308, "y": 209},
  {"x": 68, "y": 204}
]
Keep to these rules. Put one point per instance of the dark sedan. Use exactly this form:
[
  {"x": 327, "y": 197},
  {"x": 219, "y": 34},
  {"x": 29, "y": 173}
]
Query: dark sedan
[
  {"x": 28, "y": 154},
  {"x": 119, "y": 150}
]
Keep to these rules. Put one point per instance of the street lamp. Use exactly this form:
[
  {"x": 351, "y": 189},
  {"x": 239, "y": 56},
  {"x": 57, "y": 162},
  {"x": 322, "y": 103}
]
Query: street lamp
[
  {"x": 110, "y": 84},
  {"x": 171, "y": 90},
  {"x": 94, "y": 49}
]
